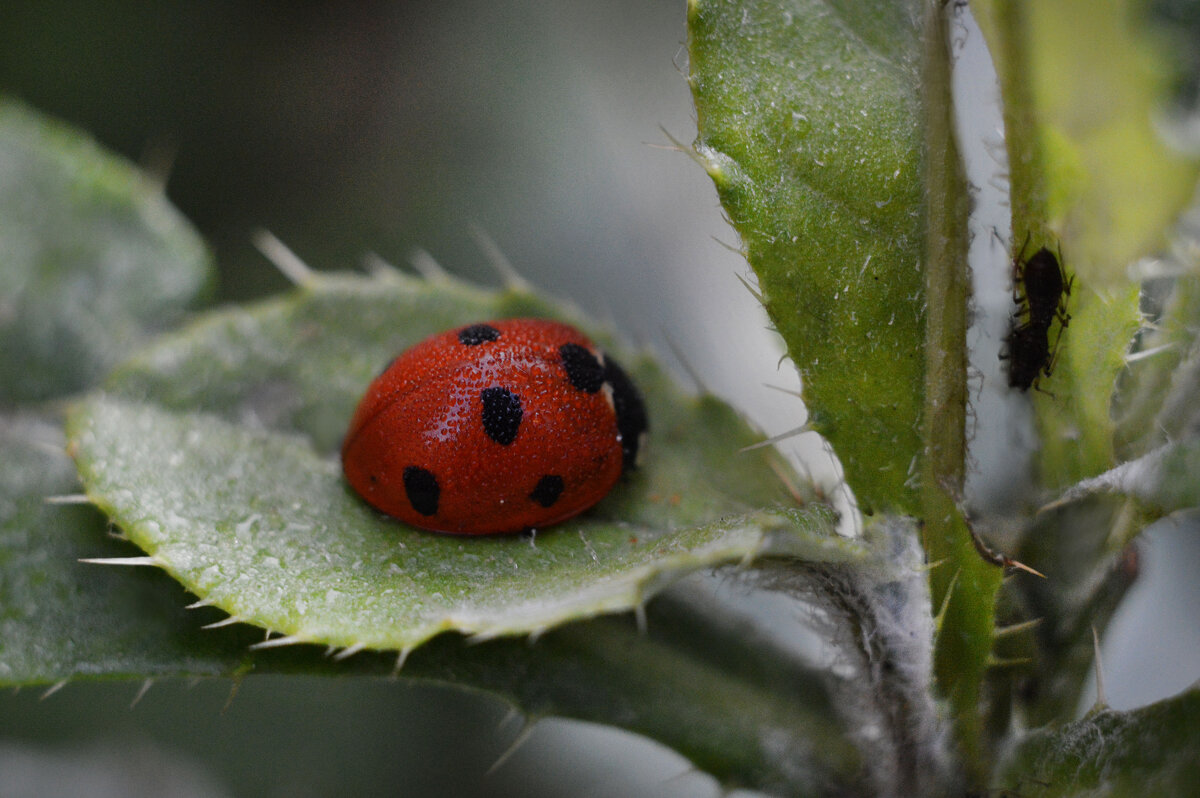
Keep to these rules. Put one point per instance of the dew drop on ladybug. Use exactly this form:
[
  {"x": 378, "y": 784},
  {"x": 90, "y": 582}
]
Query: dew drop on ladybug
[{"x": 493, "y": 428}]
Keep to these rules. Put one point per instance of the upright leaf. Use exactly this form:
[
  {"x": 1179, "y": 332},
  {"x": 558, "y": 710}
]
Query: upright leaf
[{"x": 810, "y": 126}]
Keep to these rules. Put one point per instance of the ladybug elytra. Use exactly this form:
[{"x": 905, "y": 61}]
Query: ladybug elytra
[{"x": 494, "y": 427}]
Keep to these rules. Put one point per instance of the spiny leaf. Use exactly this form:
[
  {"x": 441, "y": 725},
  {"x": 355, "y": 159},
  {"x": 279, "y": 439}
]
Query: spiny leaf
[
  {"x": 260, "y": 523},
  {"x": 809, "y": 119},
  {"x": 1083, "y": 86},
  {"x": 828, "y": 130}
]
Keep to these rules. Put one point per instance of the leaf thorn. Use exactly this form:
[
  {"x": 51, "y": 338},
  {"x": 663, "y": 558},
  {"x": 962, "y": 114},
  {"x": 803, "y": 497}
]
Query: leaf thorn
[
  {"x": 152, "y": 561},
  {"x": 1101, "y": 697},
  {"x": 52, "y": 689},
  {"x": 774, "y": 439},
  {"x": 517, "y": 742},
  {"x": 427, "y": 266},
  {"x": 277, "y": 642},
  {"x": 145, "y": 688},
  {"x": 498, "y": 261},
  {"x": 282, "y": 258},
  {"x": 67, "y": 498},
  {"x": 401, "y": 657},
  {"x": 230, "y": 621}
]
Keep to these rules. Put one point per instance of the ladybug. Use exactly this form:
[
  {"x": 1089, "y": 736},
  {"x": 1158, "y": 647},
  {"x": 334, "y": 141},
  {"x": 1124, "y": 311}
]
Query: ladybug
[{"x": 495, "y": 427}]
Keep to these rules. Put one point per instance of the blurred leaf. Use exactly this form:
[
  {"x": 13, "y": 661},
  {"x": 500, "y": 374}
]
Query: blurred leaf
[
  {"x": 1154, "y": 750},
  {"x": 1081, "y": 550},
  {"x": 92, "y": 256},
  {"x": 1074, "y": 420},
  {"x": 261, "y": 524},
  {"x": 1092, "y": 180},
  {"x": 810, "y": 126},
  {"x": 1163, "y": 481},
  {"x": 1157, "y": 402}
]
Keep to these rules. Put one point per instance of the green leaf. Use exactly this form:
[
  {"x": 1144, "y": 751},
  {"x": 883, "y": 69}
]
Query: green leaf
[
  {"x": 828, "y": 131},
  {"x": 259, "y": 521},
  {"x": 699, "y": 683},
  {"x": 1075, "y": 424},
  {"x": 730, "y": 703},
  {"x": 810, "y": 126},
  {"x": 1154, "y": 750},
  {"x": 61, "y": 618},
  {"x": 91, "y": 257}
]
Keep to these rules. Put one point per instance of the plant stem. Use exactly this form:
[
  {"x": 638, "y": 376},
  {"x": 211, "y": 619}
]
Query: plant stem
[{"x": 965, "y": 637}]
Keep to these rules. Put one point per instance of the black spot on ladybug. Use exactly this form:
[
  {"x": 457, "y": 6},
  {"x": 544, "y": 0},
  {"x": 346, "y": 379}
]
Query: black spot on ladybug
[
  {"x": 422, "y": 489},
  {"x": 584, "y": 369},
  {"x": 631, "y": 413},
  {"x": 548, "y": 489},
  {"x": 477, "y": 334},
  {"x": 501, "y": 414}
]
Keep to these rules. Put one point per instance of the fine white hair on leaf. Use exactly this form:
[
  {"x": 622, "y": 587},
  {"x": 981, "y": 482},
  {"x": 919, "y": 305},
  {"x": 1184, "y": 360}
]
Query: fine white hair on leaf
[
  {"x": 517, "y": 742},
  {"x": 1154, "y": 478},
  {"x": 878, "y": 617}
]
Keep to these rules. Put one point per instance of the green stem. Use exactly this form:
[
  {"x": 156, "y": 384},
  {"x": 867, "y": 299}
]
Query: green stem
[{"x": 964, "y": 640}]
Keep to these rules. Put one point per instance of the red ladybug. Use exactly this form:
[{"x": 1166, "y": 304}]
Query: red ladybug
[{"x": 494, "y": 427}]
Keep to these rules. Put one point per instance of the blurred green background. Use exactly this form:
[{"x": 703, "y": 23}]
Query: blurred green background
[{"x": 379, "y": 127}]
